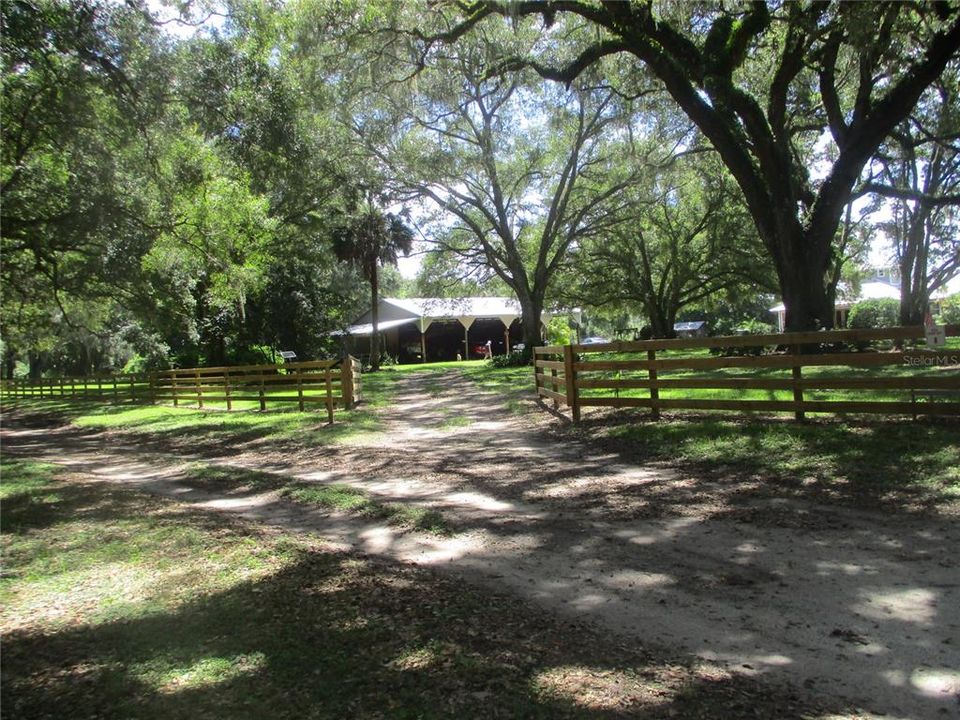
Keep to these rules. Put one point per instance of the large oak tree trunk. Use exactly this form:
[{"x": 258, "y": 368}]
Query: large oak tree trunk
[{"x": 531, "y": 308}]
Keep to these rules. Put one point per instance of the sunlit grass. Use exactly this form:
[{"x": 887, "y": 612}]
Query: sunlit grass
[{"x": 877, "y": 462}]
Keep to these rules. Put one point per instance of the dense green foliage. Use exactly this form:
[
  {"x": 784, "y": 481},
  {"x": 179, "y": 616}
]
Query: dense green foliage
[
  {"x": 880, "y": 313},
  {"x": 184, "y": 198},
  {"x": 950, "y": 311}
]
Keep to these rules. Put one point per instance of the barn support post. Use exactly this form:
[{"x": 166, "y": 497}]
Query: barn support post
[
  {"x": 422, "y": 325},
  {"x": 466, "y": 322}
]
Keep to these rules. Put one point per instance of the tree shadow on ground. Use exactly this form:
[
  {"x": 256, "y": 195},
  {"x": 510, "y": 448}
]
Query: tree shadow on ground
[{"x": 336, "y": 635}]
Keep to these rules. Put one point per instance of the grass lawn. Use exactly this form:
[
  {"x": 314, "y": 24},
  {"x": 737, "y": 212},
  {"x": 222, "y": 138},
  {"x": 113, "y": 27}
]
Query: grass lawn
[
  {"x": 190, "y": 424},
  {"x": 896, "y": 465},
  {"x": 116, "y": 604}
]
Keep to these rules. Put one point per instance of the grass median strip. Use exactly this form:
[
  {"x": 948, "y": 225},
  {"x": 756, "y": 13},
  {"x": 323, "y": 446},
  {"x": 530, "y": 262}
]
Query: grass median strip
[{"x": 336, "y": 496}]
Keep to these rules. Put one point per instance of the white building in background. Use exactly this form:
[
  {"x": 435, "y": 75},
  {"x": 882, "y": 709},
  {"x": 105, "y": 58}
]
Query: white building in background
[{"x": 882, "y": 284}]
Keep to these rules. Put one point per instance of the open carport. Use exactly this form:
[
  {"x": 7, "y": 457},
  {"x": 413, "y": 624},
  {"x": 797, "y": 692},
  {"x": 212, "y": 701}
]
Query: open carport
[{"x": 438, "y": 329}]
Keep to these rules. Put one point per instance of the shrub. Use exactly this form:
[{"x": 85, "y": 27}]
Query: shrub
[
  {"x": 747, "y": 326},
  {"x": 517, "y": 358},
  {"x": 559, "y": 332},
  {"x": 950, "y": 311},
  {"x": 880, "y": 313}
]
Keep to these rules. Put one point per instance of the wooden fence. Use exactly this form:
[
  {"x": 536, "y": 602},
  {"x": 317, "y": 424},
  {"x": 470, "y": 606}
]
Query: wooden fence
[
  {"x": 333, "y": 383},
  {"x": 929, "y": 382},
  {"x": 112, "y": 388}
]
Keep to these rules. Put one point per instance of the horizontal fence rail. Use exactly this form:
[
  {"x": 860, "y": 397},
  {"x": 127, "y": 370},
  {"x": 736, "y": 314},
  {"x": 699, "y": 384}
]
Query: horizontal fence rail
[
  {"x": 847, "y": 371},
  {"x": 332, "y": 383}
]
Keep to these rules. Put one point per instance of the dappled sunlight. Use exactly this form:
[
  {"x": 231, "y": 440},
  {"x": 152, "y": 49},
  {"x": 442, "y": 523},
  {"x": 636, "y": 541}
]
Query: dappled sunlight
[
  {"x": 915, "y": 606},
  {"x": 748, "y": 663},
  {"x": 742, "y": 547},
  {"x": 832, "y": 567},
  {"x": 419, "y": 658},
  {"x": 600, "y": 689},
  {"x": 631, "y": 579},
  {"x": 479, "y": 501},
  {"x": 934, "y": 682},
  {"x": 203, "y": 673}
]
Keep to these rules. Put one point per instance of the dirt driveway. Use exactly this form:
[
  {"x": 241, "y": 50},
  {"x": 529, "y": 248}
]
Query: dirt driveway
[{"x": 845, "y": 604}]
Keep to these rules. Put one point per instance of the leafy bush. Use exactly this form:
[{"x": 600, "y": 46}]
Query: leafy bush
[
  {"x": 743, "y": 326},
  {"x": 880, "y": 313},
  {"x": 950, "y": 311},
  {"x": 746, "y": 326},
  {"x": 517, "y": 358},
  {"x": 559, "y": 332}
]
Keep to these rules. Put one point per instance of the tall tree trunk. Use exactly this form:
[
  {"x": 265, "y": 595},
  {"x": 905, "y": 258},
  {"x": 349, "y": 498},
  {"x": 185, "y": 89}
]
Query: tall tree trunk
[
  {"x": 531, "y": 308},
  {"x": 36, "y": 365},
  {"x": 660, "y": 325},
  {"x": 913, "y": 267},
  {"x": 9, "y": 364},
  {"x": 802, "y": 262},
  {"x": 374, "y": 317}
]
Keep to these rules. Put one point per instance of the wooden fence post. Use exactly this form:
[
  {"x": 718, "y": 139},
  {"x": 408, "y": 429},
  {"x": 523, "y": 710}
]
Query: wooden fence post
[
  {"x": 536, "y": 380},
  {"x": 263, "y": 399},
  {"x": 115, "y": 395},
  {"x": 654, "y": 387},
  {"x": 329, "y": 383},
  {"x": 797, "y": 387},
  {"x": 570, "y": 378},
  {"x": 346, "y": 382},
  {"x": 553, "y": 386},
  {"x": 299, "y": 389},
  {"x": 196, "y": 378},
  {"x": 152, "y": 390},
  {"x": 226, "y": 389},
  {"x": 173, "y": 388}
]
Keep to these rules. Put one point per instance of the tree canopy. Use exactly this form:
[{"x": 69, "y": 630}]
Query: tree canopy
[{"x": 188, "y": 198}]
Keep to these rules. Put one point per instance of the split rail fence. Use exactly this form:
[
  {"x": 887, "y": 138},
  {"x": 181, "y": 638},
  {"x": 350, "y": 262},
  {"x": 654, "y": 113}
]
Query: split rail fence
[
  {"x": 330, "y": 383},
  {"x": 791, "y": 372}
]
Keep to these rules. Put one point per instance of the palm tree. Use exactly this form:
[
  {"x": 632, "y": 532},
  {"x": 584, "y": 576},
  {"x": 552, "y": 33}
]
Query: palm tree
[{"x": 370, "y": 239}]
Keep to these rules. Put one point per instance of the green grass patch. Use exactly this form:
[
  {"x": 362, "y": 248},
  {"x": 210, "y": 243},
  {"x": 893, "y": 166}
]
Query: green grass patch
[
  {"x": 514, "y": 385},
  {"x": 886, "y": 462}
]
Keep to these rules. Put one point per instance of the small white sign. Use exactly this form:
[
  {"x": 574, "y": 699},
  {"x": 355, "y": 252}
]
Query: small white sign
[{"x": 936, "y": 336}]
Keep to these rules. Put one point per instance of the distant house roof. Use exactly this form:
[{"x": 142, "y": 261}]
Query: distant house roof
[{"x": 689, "y": 326}]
